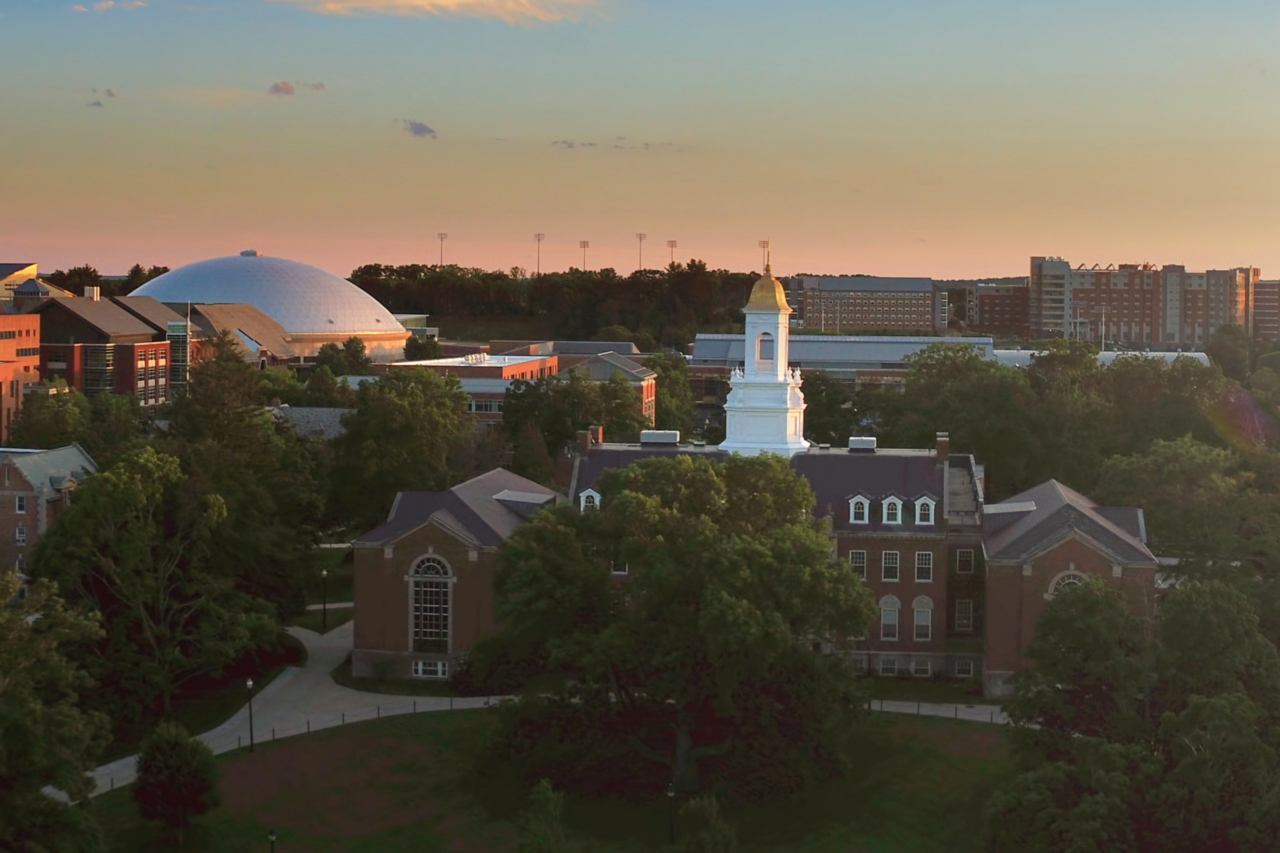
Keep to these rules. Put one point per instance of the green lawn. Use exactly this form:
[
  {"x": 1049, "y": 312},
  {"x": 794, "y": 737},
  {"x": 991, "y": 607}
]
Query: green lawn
[
  {"x": 404, "y": 783},
  {"x": 340, "y": 585},
  {"x": 956, "y": 692}
]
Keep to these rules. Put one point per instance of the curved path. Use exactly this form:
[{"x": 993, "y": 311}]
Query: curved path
[{"x": 305, "y": 699}]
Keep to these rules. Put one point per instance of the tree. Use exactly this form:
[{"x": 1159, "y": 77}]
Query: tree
[
  {"x": 421, "y": 348},
  {"x": 704, "y": 651},
  {"x": 137, "y": 276},
  {"x": 674, "y": 404},
  {"x": 357, "y": 359},
  {"x": 333, "y": 358},
  {"x": 48, "y": 739},
  {"x": 541, "y": 830},
  {"x": 115, "y": 427},
  {"x": 397, "y": 439},
  {"x": 620, "y": 411},
  {"x": 53, "y": 420},
  {"x": 829, "y": 414},
  {"x": 281, "y": 383},
  {"x": 711, "y": 833},
  {"x": 1230, "y": 347},
  {"x": 135, "y": 547},
  {"x": 531, "y": 459},
  {"x": 75, "y": 279},
  {"x": 177, "y": 778},
  {"x": 323, "y": 389}
]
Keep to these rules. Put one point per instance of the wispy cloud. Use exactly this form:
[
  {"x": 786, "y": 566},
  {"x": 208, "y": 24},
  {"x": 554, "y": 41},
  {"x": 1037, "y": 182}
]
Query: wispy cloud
[
  {"x": 418, "y": 129},
  {"x": 109, "y": 5},
  {"x": 315, "y": 87},
  {"x": 512, "y": 11},
  {"x": 282, "y": 88},
  {"x": 94, "y": 104}
]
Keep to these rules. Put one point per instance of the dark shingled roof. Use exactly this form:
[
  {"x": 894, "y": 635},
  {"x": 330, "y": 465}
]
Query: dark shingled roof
[
  {"x": 486, "y": 509},
  {"x": 7, "y": 270},
  {"x": 1050, "y": 512},
  {"x": 149, "y": 310},
  {"x": 104, "y": 315}
]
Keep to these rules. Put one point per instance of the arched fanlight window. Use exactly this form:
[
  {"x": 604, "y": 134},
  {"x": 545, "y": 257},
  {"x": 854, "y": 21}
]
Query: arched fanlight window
[{"x": 431, "y": 599}]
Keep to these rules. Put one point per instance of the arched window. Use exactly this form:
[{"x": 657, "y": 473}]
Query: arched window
[
  {"x": 431, "y": 604},
  {"x": 889, "y": 607},
  {"x": 891, "y": 511},
  {"x": 924, "y": 511},
  {"x": 764, "y": 347},
  {"x": 589, "y": 499},
  {"x": 1064, "y": 582},
  {"x": 923, "y": 611},
  {"x": 859, "y": 510}
]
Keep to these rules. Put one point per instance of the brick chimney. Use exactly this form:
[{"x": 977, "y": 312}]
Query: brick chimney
[
  {"x": 944, "y": 447},
  {"x": 597, "y": 434},
  {"x": 584, "y": 442}
]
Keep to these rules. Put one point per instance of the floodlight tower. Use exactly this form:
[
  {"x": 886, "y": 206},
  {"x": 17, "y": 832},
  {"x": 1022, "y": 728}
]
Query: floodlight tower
[
  {"x": 764, "y": 253},
  {"x": 671, "y": 244},
  {"x": 640, "y": 238},
  {"x": 584, "y": 245},
  {"x": 442, "y": 237},
  {"x": 538, "y": 238}
]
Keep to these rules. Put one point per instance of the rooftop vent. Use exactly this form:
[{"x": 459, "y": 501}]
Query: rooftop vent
[
  {"x": 862, "y": 444},
  {"x": 659, "y": 436},
  {"x": 250, "y": 253},
  {"x": 824, "y": 447}
]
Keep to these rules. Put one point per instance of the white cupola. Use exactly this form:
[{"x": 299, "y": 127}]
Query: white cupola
[{"x": 765, "y": 409}]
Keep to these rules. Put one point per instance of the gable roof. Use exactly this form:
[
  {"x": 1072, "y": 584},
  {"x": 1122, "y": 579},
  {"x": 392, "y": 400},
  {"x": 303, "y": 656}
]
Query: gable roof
[
  {"x": 51, "y": 468},
  {"x": 37, "y": 287},
  {"x": 7, "y": 270},
  {"x": 487, "y": 509},
  {"x": 602, "y": 366},
  {"x": 149, "y": 310},
  {"x": 1024, "y": 525},
  {"x": 251, "y": 329},
  {"x": 104, "y": 315},
  {"x": 312, "y": 421}
]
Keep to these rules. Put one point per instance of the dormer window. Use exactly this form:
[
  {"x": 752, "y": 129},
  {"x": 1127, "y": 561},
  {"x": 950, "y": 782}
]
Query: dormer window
[
  {"x": 892, "y": 511},
  {"x": 924, "y": 511},
  {"x": 859, "y": 510},
  {"x": 589, "y": 499}
]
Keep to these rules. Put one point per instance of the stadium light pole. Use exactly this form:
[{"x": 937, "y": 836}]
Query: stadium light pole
[
  {"x": 764, "y": 252},
  {"x": 640, "y": 238},
  {"x": 584, "y": 245},
  {"x": 442, "y": 236},
  {"x": 538, "y": 238},
  {"x": 671, "y": 244}
]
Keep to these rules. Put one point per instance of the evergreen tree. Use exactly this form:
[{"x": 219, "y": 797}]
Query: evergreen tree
[{"x": 177, "y": 778}]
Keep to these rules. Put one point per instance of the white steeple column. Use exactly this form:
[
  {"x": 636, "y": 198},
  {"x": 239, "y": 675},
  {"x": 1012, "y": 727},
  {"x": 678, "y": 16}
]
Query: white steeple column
[{"x": 765, "y": 409}]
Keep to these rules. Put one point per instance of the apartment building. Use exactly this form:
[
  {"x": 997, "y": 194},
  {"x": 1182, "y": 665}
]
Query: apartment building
[{"x": 837, "y": 303}]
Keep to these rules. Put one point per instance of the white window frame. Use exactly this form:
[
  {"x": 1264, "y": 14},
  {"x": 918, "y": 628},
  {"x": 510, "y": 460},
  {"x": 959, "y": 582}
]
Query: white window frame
[
  {"x": 924, "y": 560},
  {"x": 588, "y": 499},
  {"x": 916, "y": 669},
  {"x": 897, "y": 566},
  {"x": 20, "y": 504},
  {"x": 437, "y": 669},
  {"x": 856, "y": 504},
  {"x": 896, "y": 505},
  {"x": 966, "y": 623},
  {"x": 890, "y": 609},
  {"x": 430, "y": 574},
  {"x": 922, "y": 505},
  {"x": 964, "y": 668},
  {"x": 20, "y": 534},
  {"x": 922, "y": 605},
  {"x": 620, "y": 569},
  {"x": 1064, "y": 580},
  {"x": 960, "y": 561},
  {"x": 891, "y": 668},
  {"x": 860, "y": 570}
]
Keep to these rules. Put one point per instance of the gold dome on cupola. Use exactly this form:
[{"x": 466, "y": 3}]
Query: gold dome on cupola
[{"x": 768, "y": 295}]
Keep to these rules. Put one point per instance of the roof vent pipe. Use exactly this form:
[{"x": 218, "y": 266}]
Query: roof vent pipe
[{"x": 862, "y": 444}]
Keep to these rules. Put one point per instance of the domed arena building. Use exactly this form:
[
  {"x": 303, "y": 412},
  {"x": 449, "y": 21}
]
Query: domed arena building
[{"x": 314, "y": 307}]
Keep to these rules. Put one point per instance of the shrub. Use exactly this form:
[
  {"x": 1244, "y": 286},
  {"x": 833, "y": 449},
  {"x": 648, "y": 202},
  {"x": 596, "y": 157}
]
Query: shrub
[{"x": 177, "y": 778}]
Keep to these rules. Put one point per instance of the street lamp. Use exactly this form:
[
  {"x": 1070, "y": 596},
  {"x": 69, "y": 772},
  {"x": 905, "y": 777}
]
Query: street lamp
[
  {"x": 538, "y": 238},
  {"x": 640, "y": 238},
  {"x": 324, "y": 601},
  {"x": 671, "y": 811},
  {"x": 271, "y": 836},
  {"x": 584, "y": 245},
  {"x": 442, "y": 236},
  {"x": 248, "y": 683}
]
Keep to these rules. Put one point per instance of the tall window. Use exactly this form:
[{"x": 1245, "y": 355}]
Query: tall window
[
  {"x": 889, "y": 618},
  {"x": 964, "y": 614},
  {"x": 589, "y": 499},
  {"x": 20, "y": 535},
  {"x": 924, "y": 566},
  {"x": 859, "y": 511},
  {"x": 858, "y": 559},
  {"x": 764, "y": 347},
  {"x": 924, "y": 511},
  {"x": 890, "y": 563},
  {"x": 21, "y": 507},
  {"x": 923, "y": 608},
  {"x": 892, "y": 511},
  {"x": 964, "y": 561},
  {"x": 432, "y": 590}
]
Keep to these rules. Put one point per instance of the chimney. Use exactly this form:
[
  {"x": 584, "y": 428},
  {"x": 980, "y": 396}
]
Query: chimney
[
  {"x": 93, "y": 293},
  {"x": 597, "y": 434},
  {"x": 584, "y": 442},
  {"x": 944, "y": 447}
]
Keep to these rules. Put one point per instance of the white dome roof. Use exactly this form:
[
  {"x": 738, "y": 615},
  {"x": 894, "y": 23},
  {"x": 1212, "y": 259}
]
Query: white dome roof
[{"x": 303, "y": 299}]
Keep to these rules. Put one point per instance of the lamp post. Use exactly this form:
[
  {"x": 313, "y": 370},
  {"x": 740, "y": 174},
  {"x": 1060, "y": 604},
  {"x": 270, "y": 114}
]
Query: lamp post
[
  {"x": 248, "y": 683},
  {"x": 538, "y": 238},
  {"x": 584, "y": 245},
  {"x": 671, "y": 812},
  {"x": 640, "y": 238},
  {"x": 442, "y": 236},
  {"x": 324, "y": 601},
  {"x": 271, "y": 836}
]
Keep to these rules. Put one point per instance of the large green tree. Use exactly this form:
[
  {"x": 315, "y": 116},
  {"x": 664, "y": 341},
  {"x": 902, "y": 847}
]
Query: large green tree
[
  {"x": 674, "y": 403},
  {"x": 704, "y": 650},
  {"x": 177, "y": 778},
  {"x": 829, "y": 413},
  {"x": 53, "y": 420},
  {"x": 46, "y": 739}
]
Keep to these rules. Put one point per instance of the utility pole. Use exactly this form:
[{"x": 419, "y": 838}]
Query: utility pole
[
  {"x": 442, "y": 237},
  {"x": 538, "y": 238},
  {"x": 671, "y": 244},
  {"x": 640, "y": 238},
  {"x": 584, "y": 245}
]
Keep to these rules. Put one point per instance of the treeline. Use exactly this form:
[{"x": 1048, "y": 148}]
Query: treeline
[
  {"x": 670, "y": 305},
  {"x": 77, "y": 279}
]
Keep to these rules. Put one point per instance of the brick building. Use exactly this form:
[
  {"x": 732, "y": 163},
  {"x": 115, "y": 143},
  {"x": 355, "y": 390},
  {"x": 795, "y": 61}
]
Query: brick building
[
  {"x": 19, "y": 365},
  {"x": 35, "y": 487},
  {"x": 838, "y": 303},
  {"x": 1002, "y": 309},
  {"x": 1266, "y": 310},
  {"x": 604, "y": 366},
  {"x": 424, "y": 579}
]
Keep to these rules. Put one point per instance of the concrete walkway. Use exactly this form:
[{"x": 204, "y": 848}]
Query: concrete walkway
[
  {"x": 332, "y": 605},
  {"x": 306, "y": 699}
]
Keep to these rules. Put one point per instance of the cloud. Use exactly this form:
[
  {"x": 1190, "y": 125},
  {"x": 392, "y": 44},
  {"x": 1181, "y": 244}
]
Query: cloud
[
  {"x": 79, "y": 9},
  {"x": 282, "y": 88},
  {"x": 570, "y": 144},
  {"x": 315, "y": 87},
  {"x": 418, "y": 129},
  {"x": 94, "y": 104},
  {"x": 511, "y": 11},
  {"x": 109, "y": 5}
]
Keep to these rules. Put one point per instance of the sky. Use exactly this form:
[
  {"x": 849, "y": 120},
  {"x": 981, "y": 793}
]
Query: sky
[{"x": 943, "y": 138}]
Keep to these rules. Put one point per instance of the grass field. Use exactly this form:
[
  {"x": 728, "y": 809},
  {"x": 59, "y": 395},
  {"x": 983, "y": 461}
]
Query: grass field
[
  {"x": 404, "y": 784},
  {"x": 929, "y": 690}
]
